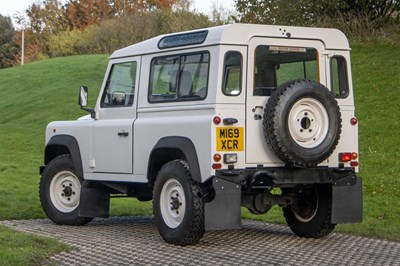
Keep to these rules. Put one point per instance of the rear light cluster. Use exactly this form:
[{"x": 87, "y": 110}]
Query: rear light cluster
[
  {"x": 217, "y": 157},
  {"x": 351, "y": 157},
  {"x": 228, "y": 158}
]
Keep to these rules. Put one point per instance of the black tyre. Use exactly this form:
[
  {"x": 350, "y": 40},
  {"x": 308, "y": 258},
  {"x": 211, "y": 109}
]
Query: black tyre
[
  {"x": 59, "y": 192},
  {"x": 178, "y": 205},
  {"x": 310, "y": 215},
  {"x": 302, "y": 123}
]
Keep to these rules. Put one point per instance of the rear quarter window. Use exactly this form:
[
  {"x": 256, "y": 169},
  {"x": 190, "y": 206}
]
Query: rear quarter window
[{"x": 339, "y": 78}]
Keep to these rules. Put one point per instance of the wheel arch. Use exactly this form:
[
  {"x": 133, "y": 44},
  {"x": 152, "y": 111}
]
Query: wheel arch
[
  {"x": 172, "y": 148},
  {"x": 64, "y": 144}
]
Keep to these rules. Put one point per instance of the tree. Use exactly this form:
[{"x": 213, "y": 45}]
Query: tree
[
  {"x": 301, "y": 12},
  {"x": 47, "y": 17},
  {"x": 8, "y": 49},
  {"x": 221, "y": 15},
  {"x": 7, "y": 31},
  {"x": 83, "y": 13},
  {"x": 379, "y": 11},
  {"x": 310, "y": 13}
]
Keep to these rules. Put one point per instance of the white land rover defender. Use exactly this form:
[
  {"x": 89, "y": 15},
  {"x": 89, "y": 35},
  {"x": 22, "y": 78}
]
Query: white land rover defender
[{"x": 206, "y": 121}]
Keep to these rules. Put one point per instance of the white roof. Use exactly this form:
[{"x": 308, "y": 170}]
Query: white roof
[{"x": 240, "y": 34}]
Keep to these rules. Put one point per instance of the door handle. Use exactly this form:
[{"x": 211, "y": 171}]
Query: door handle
[{"x": 123, "y": 134}]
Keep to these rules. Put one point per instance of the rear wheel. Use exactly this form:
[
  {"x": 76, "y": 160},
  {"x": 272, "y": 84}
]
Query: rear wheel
[
  {"x": 178, "y": 205},
  {"x": 310, "y": 214},
  {"x": 59, "y": 192}
]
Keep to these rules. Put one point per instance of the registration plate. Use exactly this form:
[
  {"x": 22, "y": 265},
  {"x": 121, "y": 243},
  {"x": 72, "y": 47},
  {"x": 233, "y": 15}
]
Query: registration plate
[{"x": 230, "y": 139}]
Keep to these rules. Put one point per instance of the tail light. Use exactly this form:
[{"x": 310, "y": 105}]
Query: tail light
[
  {"x": 349, "y": 157},
  {"x": 345, "y": 157}
]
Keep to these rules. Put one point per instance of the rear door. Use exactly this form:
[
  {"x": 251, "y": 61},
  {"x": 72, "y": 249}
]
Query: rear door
[{"x": 271, "y": 63}]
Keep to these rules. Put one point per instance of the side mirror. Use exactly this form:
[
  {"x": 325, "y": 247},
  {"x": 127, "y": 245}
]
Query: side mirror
[
  {"x": 118, "y": 98},
  {"x": 83, "y": 96},
  {"x": 83, "y": 101}
]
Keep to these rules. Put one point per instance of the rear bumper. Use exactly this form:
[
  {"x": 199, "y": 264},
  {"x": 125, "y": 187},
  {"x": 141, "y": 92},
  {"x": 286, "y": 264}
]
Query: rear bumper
[{"x": 261, "y": 178}]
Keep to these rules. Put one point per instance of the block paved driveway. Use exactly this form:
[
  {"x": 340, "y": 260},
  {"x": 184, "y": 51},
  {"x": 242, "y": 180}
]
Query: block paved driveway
[{"x": 135, "y": 241}]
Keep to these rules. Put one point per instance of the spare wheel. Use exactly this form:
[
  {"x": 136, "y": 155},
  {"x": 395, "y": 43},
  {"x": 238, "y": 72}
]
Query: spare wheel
[{"x": 302, "y": 123}]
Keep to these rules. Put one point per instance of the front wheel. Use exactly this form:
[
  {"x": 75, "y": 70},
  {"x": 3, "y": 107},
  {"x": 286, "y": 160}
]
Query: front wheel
[
  {"x": 178, "y": 205},
  {"x": 59, "y": 192},
  {"x": 310, "y": 214}
]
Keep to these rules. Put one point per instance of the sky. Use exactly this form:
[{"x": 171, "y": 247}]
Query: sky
[{"x": 10, "y": 7}]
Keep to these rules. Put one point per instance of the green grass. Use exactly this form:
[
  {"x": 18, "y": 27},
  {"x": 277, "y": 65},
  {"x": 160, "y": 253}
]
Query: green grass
[
  {"x": 24, "y": 249},
  {"x": 33, "y": 95}
]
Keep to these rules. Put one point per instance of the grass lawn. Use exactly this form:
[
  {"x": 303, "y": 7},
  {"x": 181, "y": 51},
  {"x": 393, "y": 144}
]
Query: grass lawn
[
  {"x": 38, "y": 93},
  {"x": 23, "y": 249}
]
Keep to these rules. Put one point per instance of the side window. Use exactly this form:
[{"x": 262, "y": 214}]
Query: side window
[
  {"x": 276, "y": 65},
  {"x": 120, "y": 87},
  {"x": 232, "y": 82},
  {"x": 179, "y": 78},
  {"x": 339, "y": 80}
]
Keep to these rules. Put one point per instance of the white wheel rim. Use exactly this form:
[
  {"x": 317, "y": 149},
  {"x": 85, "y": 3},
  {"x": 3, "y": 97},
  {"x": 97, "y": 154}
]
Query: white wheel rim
[
  {"x": 172, "y": 203},
  {"x": 308, "y": 216},
  {"x": 308, "y": 122},
  {"x": 65, "y": 190}
]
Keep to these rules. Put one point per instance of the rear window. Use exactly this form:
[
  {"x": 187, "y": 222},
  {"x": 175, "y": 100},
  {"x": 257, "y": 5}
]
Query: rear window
[
  {"x": 276, "y": 65},
  {"x": 339, "y": 79}
]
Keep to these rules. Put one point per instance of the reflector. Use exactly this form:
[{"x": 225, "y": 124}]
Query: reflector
[
  {"x": 353, "y": 121},
  {"x": 354, "y": 164},
  {"x": 217, "y": 120},
  {"x": 216, "y": 166}
]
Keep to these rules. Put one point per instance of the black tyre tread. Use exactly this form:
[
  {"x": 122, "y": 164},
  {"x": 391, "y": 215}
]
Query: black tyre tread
[
  {"x": 65, "y": 161},
  {"x": 319, "y": 231},
  {"x": 196, "y": 229},
  {"x": 270, "y": 128}
]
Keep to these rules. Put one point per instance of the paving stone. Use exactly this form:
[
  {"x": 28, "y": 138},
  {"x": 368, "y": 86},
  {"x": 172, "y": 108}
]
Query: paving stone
[{"x": 135, "y": 241}]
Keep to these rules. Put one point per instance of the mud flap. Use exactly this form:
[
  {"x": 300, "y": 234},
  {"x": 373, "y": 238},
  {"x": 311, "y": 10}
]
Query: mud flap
[
  {"x": 94, "y": 200},
  {"x": 224, "y": 211},
  {"x": 347, "y": 203}
]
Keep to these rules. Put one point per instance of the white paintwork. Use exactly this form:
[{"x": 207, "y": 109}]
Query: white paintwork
[
  {"x": 240, "y": 34},
  {"x": 107, "y": 156}
]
